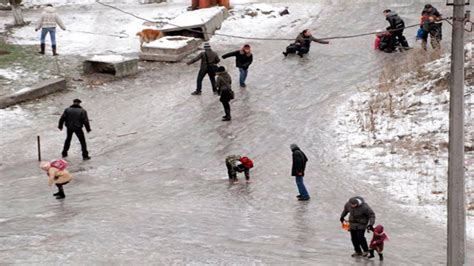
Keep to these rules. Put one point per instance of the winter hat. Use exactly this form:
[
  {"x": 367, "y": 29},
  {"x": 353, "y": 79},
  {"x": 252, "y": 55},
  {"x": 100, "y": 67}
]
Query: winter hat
[
  {"x": 220, "y": 69},
  {"x": 207, "y": 45},
  {"x": 355, "y": 201},
  {"x": 428, "y": 6},
  {"x": 45, "y": 166},
  {"x": 247, "y": 46},
  {"x": 294, "y": 147},
  {"x": 77, "y": 101}
]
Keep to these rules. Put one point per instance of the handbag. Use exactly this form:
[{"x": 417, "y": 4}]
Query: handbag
[{"x": 232, "y": 95}]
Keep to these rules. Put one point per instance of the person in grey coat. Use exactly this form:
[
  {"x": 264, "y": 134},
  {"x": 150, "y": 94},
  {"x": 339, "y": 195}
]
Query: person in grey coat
[
  {"x": 209, "y": 60},
  {"x": 361, "y": 217}
]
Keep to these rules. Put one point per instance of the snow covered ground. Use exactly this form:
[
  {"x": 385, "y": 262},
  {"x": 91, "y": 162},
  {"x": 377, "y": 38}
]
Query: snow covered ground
[{"x": 397, "y": 133}]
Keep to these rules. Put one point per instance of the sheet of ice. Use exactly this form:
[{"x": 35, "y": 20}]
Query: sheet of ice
[
  {"x": 169, "y": 42},
  {"x": 194, "y": 18}
]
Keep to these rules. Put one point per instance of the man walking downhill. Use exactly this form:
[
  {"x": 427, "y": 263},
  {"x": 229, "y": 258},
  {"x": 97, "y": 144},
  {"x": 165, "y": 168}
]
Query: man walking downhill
[
  {"x": 75, "y": 117},
  {"x": 361, "y": 217},
  {"x": 243, "y": 60},
  {"x": 224, "y": 89},
  {"x": 297, "y": 170},
  {"x": 209, "y": 60},
  {"x": 47, "y": 23}
]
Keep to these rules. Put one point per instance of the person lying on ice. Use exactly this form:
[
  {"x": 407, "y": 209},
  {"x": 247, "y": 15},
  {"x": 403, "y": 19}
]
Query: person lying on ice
[
  {"x": 236, "y": 163},
  {"x": 302, "y": 43}
]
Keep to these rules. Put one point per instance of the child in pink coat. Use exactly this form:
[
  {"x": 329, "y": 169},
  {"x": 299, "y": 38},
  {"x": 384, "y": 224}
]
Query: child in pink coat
[{"x": 377, "y": 242}]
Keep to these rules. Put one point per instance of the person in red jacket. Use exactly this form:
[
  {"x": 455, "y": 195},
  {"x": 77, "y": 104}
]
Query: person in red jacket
[{"x": 377, "y": 242}]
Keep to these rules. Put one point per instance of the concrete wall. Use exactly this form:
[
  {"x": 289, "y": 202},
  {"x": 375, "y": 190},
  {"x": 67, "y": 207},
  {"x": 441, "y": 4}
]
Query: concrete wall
[{"x": 39, "y": 90}]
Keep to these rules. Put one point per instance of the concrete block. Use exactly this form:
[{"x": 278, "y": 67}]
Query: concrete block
[
  {"x": 206, "y": 21},
  {"x": 169, "y": 48},
  {"x": 39, "y": 90},
  {"x": 116, "y": 65}
]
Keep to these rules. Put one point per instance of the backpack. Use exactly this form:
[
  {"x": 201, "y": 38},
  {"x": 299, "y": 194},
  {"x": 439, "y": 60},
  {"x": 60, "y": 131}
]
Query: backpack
[
  {"x": 246, "y": 162},
  {"x": 59, "y": 164}
]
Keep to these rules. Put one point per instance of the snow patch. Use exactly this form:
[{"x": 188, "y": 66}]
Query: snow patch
[
  {"x": 109, "y": 58},
  {"x": 169, "y": 42},
  {"x": 194, "y": 18}
]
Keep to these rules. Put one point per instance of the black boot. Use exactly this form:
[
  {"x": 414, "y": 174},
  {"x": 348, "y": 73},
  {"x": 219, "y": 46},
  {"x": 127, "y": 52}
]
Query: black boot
[
  {"x": 285, "y": 54},
  {"x": 54, "y": 50},
  {"x": 56, "y": 194},
  {"x": 381, "y": 256},
  {"x": 300, "y": 55},
  {"x": 371, "y": 252},
  {"x": 60, "y": 195},
  {"x": 42, "y": 47}
]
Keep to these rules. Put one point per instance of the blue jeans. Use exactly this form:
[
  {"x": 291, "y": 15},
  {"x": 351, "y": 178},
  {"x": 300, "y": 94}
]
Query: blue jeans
[
  {"x": 301, "y": 188},
  {"x": 243, "y": 76},
  {"x": 52, "y": 35}
]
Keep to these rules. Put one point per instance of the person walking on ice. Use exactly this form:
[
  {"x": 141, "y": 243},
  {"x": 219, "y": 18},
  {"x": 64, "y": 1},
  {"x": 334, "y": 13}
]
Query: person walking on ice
[
  {"x": 75, "y": 117},
  {"x": 236, "y": 163},
  {"x": 243, "y": 60},
  {"x": 209, "y": 60},
  {"x": 377, "y": 242},
  {"x": 57, "y": 175},
  {"x": 302, "y": 44},
  {"x": 361, "y": 218},
  {"x": 224, "y": 89},
  {"x": 47, "y": 23},
  {"x": 297, "y": 170}
]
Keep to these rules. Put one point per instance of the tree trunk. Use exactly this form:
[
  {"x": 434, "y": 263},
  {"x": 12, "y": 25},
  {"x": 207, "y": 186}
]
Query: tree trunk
[{"x": 18, "y": 15}]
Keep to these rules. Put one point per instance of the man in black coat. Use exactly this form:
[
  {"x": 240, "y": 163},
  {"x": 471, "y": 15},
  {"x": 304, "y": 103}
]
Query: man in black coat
[
  {"x": 75, "y": 117},
  {"x": 361, "y": 217},
  {"x": 397, "y": 25},
  {"x": 209, "y": 60},
  {"x": 224, "y": 89},
  {"x": 297, "y": 170},
  {"x": 243, "y": 59}
]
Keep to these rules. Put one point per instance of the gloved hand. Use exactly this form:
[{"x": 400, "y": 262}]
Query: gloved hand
[
  {"x": 60, "y": 128},
  {"x": 342, "y": 220},
  {"x": 370, "y": 228}
]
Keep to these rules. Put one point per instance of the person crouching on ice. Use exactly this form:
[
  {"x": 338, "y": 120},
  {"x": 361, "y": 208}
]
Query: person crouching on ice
[
  {"x": 57, "y": 177},
  {"x": 377, "y": 242},
  {"x": 236, "y": 163},
  {"x": 302, "y": 43}
]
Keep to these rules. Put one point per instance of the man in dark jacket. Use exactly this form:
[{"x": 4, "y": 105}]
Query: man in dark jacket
[
  {"x": 209, "y": 60},
  {"x": 361, "y": 217},
  {"x": 432, "y": 26},
  {"x": 243, "y": 59},
  {"x": 297, "y": 170},
  {"x": 224, "y": 89},
  {"x": 75, "y": 117},
  {"x": 302, "y": 43},
  {"x": 397, "y": 25}
]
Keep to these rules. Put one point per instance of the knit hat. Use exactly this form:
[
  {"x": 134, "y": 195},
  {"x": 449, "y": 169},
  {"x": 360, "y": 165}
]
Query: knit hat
[
  {"x": 220, "y": 69},
  {"x": 77, "y": 101},
  {"x": 207, "y": 45},
  {"x": 45, "y": 166},
  {"x": 294, "y": 147},
  {"x": 355, "y": 201}
]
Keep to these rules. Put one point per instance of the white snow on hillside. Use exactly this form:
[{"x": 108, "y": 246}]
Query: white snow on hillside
[{"x": 398, "y": 135}]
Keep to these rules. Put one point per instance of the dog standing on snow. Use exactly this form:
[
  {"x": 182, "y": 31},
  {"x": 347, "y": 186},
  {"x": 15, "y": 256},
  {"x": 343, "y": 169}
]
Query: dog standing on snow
[{"x": 149, "y": 35}]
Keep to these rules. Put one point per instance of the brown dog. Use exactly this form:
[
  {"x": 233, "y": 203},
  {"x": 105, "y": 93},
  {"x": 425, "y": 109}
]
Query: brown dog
[{"x": 149, "y": 35}]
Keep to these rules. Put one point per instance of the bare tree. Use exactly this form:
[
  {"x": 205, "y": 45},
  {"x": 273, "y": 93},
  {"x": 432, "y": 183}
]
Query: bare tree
[{"x": 17, "y": 14}]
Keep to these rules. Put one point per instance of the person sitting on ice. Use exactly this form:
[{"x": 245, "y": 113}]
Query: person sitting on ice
[
  {"x": 302, "y": 43},
  {"x": 377, "y": 242},
  {"x": 237, "y": 163},
  {"x": 58, "y": 175}
]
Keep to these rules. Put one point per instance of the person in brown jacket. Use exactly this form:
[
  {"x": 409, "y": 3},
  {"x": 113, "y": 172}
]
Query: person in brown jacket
[
  {"x": 57, "y": 177},
  {"x": 302, "y": 43},
  {"x": 209, "y": 60}
]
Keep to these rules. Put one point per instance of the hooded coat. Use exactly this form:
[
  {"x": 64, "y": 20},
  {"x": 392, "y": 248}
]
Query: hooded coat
[
  {"x": 299, "y": 161},
  {"x": 224, "y": 86},
  {"x": 56, "y": 176},
  {"x": 396, "y": 23},
  {"x": 359, "y": 217},
  {"x": 305, "y": 41},
  {"x": 242, "y": 60},
  {"x": 49, "y": 19},
  {"x": 75, "y": 117},
  {"x": 378, "y": 239}
]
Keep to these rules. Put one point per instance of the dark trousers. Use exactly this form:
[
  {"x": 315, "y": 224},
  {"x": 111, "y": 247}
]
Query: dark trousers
[
  {"x": 398, "y": 36},
  {"x": 226, "y": 105},
  {"x": 231, "y": 172},
  {"x": 212, "y": 76},
  {"x": 359, "y": 241},
  {"x": 60, "y": 188},
  {"x": 293, "y": 48},
  {"x": 80, "y": 135}
]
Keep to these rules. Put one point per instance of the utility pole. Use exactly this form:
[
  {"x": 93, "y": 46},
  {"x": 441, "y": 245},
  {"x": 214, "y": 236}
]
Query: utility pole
[{"x": 456, "y": 182}]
